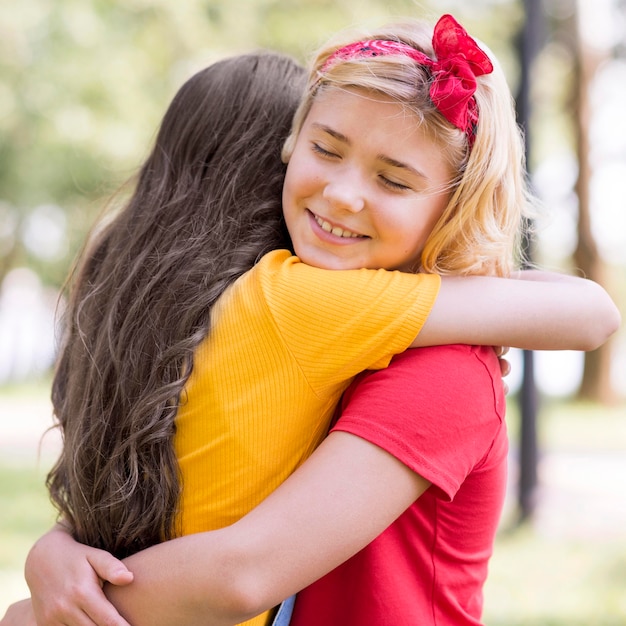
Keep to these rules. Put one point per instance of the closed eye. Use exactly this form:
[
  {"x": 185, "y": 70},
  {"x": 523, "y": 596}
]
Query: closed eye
[
  {"x": 322, "y": 151},
  {"x": 392, "y": 184}
]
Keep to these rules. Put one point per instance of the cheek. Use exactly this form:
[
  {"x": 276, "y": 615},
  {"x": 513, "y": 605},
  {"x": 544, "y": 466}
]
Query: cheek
[
  {"x": 413, "y": 227},
  {"x": 293, "y": 183},
  {"x": 428, "y": 216},
  {"x": 286, "y": 195},
  {"x": 412, "y": 231},
  {"x": 298, "y": 177}
]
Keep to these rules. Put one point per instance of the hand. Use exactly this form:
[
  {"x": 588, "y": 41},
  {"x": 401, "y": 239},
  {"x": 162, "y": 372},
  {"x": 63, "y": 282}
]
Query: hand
[
  {"x": 19, "y": 614},
  {"x": 66, "y": 579},
  {"x": 505, "y": 366}
]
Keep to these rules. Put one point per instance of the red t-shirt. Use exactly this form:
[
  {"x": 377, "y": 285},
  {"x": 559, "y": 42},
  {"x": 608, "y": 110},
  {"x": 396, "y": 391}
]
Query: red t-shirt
[{"x": 439, "y": 410}]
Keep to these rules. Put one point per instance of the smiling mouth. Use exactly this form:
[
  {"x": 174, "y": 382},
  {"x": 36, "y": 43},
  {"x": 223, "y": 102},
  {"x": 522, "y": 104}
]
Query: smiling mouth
[{"x": 336, "y": 230}]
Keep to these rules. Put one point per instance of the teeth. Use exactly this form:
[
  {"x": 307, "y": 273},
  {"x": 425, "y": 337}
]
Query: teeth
[{"x": 335, "y": 230}]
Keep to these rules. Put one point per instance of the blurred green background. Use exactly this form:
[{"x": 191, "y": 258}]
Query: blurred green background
[{"x": 83, "y": 85}]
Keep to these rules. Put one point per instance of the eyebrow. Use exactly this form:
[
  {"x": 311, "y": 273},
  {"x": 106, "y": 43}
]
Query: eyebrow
[
  {"x": 332, "y": 132},
  {"x": 381, "y": 157},
  {"x": 401, "y": 165}
]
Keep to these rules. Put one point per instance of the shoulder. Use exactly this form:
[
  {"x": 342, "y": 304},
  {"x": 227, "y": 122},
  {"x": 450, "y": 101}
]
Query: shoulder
[
  {"x": 423, "y": 377},
  {"x": 438, "y": 410},
  {"x": 453, "y": 362},
  {"x": 280, "y": 265}
]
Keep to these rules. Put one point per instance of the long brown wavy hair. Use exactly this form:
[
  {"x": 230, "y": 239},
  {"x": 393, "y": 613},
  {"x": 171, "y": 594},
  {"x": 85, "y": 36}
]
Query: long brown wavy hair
[{"x": 205, "y": 207}]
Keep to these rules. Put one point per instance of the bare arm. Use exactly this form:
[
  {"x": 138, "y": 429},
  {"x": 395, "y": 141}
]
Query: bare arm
[
  {"x": 19, "y": 614},
  {"x": 346, "y": 494},
  {"x": 536, "y": 311},
  {"x": 298, "y": 534}
]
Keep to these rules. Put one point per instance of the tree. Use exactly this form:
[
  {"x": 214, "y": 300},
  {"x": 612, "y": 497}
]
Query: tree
[{"x": 596, "y": 382}]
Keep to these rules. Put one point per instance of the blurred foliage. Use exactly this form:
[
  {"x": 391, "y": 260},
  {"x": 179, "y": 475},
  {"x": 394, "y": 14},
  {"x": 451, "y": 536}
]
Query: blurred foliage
[{"x": 83, "y": 84}]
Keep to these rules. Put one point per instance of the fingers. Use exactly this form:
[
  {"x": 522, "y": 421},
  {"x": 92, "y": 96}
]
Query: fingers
[
  {"x": 505, "y": 367},
  {"x": 68, "y": 590},
  {"x": 103, "y": 613},
  {"x": 109, "y": 569},
  {"x": 85, "y": 608}
]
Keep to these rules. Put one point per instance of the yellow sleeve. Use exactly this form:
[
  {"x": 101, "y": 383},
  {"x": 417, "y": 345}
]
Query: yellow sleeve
[{"x": 339, "y": 323}]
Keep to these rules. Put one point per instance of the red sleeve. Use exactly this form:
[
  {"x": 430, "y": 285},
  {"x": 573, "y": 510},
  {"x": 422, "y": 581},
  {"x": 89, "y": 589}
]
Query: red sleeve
[{"x": 438, "y": 410}]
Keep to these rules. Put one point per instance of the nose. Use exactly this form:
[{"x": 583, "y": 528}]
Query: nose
[{"x": 345, "y": 195}]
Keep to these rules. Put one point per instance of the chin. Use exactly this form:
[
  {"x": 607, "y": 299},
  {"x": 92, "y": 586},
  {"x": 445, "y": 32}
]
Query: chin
[{"x": 325, "y": 261}]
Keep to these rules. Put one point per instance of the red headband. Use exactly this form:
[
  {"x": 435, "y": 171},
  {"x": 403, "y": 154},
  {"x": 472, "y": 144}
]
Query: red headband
[{"x": 459, "y": 61}]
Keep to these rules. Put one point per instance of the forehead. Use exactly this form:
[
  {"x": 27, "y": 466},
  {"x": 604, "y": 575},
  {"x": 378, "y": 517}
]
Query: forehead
[
  {"x": 376, "y": 124},
  {"x": 355, "y": 108}
]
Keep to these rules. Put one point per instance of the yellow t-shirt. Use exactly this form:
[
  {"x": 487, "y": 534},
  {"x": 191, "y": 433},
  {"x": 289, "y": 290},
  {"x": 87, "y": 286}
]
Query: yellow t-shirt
[{"x": 286, "y": 340}]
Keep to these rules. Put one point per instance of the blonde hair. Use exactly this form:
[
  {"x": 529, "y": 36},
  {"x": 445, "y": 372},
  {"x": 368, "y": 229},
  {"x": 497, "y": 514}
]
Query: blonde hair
[{"x": 480, "y": 229}]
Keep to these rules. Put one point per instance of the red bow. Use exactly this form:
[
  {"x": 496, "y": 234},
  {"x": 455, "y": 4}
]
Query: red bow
[{"x": 459, "y": 61}]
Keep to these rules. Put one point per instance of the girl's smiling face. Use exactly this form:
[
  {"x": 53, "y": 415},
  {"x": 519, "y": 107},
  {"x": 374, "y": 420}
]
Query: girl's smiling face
[{"x": 365, "y": 184}]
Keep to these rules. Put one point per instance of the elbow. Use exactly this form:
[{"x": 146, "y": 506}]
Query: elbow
[
  {"x": 243, "y": 600},
  {"x": 244, "y": 589},
  {"x": 602, "y": 327}
]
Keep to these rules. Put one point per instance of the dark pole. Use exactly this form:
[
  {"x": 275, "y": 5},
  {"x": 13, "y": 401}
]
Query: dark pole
[{"x": 529, "y": 43}]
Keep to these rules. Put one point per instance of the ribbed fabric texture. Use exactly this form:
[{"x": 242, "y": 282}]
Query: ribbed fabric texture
[{"x": 286, "y": 341}]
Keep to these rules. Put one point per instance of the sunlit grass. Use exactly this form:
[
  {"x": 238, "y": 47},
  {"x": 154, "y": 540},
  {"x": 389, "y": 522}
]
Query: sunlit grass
[
  {"x": 567, "y": 568},
  {"x": 541, "y": 581},
  {"x": 26, "y": 513}
]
